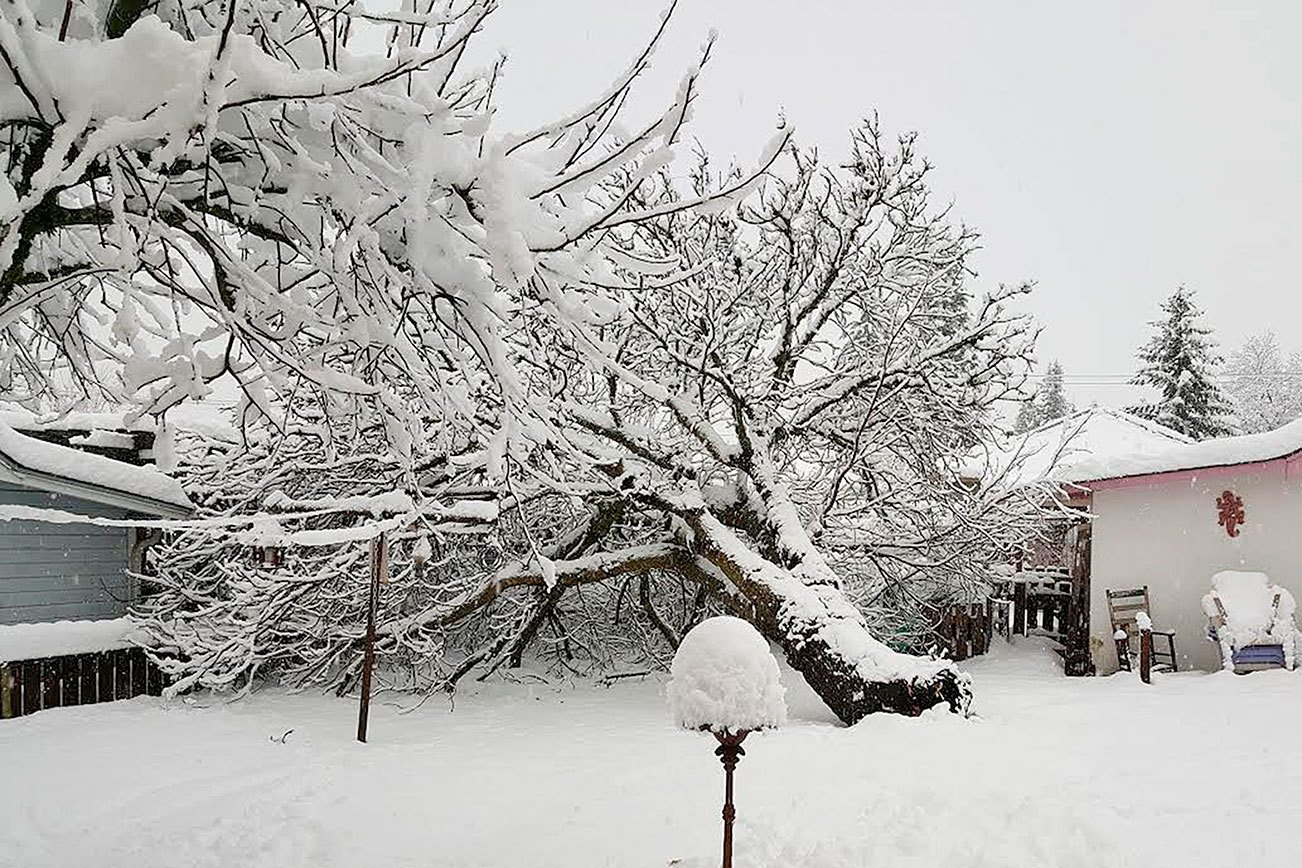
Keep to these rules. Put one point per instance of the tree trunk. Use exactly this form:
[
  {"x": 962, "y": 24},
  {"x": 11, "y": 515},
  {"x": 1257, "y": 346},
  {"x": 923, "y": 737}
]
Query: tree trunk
[
  {"x": 851, "y": 697},
  {"x": 825, "y": 638}
]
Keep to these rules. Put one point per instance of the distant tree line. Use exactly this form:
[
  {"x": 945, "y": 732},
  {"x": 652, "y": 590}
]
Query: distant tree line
[{"x": 1190, "y": 386}]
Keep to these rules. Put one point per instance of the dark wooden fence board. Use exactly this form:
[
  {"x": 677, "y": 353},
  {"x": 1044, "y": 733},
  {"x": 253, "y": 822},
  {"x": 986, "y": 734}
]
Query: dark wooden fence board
[
  {"x": 88, "y": 678},
  {"x": 51, "y": 682},
  {"x": 121, "y": 673},
  {"x": 31, "y": 686},
  {"x": 104, "y": 664},
  {"x": 153, "y": 679},
  {"x": 138, "y": 664}
]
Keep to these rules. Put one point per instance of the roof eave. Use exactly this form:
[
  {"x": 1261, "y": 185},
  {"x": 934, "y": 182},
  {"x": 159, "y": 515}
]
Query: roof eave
[
  {"x": 1286, "y": 457},
  {"x": 127, "y": 500}
]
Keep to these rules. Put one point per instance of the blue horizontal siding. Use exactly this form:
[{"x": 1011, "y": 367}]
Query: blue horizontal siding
[
  {"x": 82, "y": 610},
  {"x": 52, "y": 572}
]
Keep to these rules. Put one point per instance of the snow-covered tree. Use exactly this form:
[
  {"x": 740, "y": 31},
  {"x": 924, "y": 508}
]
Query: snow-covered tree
[
  {"x": 774, "y": 434},
  {"x": 437, "y": 326},
  {"x": 1178, "y": 362},
  {"x": 1052, "y": 396},
  {"x": 1028, "y": 415},
  {"x": 1264, "y": 387},
  {"x": 212, "y": 190},
  {"x": 1048, "y": 403}
]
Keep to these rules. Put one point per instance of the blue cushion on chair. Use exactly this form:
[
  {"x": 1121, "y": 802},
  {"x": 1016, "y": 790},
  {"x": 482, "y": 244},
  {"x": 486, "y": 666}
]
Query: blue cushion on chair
[{"x": 1259, "y": 654}]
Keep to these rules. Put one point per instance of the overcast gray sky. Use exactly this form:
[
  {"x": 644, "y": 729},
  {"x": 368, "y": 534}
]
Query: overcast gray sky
[{"x": 1107, "y": 151}]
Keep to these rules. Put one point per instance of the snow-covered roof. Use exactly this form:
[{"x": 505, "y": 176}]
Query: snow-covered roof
[
  {"x": 20, "y": 417},
  {"x": 1072, "y": 448},
  {"x": 1220, "y": 452},
  {"x": 50, "y": 467}
]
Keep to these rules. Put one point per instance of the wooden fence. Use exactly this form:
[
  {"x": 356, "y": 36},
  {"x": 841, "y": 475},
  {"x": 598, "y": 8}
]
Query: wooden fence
[
  {"x": 1054, "y": 603},
  {"x": 1042, "y": 608},
  {"x": 27, "y": 686},
  {"x": 966, "y": 630}
]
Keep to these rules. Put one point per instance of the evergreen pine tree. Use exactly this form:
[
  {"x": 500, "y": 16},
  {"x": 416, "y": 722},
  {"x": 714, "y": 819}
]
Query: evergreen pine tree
[
  {"x": 1028, "y": 416},
  {"x": 1048, "y": 403},
  {"x": 1052, "y": 400},
  {"x": 1177, "y": 362}
]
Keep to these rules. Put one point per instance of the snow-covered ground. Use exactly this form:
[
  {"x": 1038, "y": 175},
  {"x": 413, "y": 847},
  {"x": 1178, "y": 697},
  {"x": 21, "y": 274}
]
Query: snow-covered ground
[{"x": 1193, "y": 770}]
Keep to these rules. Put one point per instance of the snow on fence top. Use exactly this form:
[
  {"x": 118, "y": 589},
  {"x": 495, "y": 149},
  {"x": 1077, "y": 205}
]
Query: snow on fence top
[
  {"x": 56, "y": 638},
  {"x": 724, "y": 678},
  {"x": 96, "y": 471}
]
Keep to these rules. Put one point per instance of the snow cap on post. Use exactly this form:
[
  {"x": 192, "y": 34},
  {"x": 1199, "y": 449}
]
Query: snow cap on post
[{"x": 724, "y": 679}]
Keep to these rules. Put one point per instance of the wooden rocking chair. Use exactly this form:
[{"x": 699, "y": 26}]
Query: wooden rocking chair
[{"x": 1123, "y": 606}]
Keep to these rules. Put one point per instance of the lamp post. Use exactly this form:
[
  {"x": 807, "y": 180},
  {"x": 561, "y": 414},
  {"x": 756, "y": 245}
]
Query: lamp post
[
  {"x": 725, "y": 682},
  {"x": 729, "y": 752}
]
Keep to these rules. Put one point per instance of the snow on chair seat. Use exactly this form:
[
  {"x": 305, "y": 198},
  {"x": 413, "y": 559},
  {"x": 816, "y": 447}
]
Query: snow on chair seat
[{"x": 1252, "y": 620}]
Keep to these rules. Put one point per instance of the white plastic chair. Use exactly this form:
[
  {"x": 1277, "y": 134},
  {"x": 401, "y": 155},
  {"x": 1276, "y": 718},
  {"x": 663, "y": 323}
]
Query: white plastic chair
[{"x": 1252, "y": 620}]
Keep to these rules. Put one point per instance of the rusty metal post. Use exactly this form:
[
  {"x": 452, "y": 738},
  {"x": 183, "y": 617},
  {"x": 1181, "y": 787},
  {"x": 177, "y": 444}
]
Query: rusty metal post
[
  {"x": 729, "y": 752},
  {"x": 379, "y": 565},
  {"x": 1146, "y": 655}
]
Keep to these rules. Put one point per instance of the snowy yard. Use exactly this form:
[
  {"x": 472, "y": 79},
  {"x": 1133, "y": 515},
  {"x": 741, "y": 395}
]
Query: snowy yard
[{"x": 1194, "y": 770}]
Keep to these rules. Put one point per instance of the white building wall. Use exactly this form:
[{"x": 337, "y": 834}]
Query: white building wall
[{"x": 1165, "y": 535}]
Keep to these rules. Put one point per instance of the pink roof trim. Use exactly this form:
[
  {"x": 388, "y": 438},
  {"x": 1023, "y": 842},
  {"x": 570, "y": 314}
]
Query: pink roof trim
[{"x": 1285, "y": 465}]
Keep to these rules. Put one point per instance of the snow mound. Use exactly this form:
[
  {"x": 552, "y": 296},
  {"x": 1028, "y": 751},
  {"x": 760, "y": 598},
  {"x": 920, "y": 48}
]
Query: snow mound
[{"x": 725, "y": 678}]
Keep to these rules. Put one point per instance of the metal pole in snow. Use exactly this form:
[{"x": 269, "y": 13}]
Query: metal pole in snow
[
  {"x": 379, "y": 565},
  {"x": 729, "y": 752}
]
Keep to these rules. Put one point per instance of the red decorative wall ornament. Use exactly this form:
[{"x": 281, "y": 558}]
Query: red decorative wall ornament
[{"x": 1229, "y": 506}]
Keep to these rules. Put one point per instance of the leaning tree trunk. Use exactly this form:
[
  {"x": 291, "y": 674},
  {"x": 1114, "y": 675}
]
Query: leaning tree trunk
[{"x": 824, "y": 636}]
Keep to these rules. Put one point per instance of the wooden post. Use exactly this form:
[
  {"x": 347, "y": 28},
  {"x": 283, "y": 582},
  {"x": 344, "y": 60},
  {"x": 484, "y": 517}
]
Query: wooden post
[
  {"x": 1019, "y": 608},
  {"x": 729, "y": 752},
  {"x": 1146, "y": 654},
  {"x": 379, "y": 565},
  {"x": 1079, "y": 660}
]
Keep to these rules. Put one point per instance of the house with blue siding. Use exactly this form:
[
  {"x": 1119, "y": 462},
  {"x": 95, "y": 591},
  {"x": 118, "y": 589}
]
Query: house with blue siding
[{"x": 58, "y": 560}]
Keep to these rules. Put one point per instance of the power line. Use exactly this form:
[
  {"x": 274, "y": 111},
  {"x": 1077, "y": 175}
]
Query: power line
[{"x": 1108, "y": 379}]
